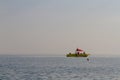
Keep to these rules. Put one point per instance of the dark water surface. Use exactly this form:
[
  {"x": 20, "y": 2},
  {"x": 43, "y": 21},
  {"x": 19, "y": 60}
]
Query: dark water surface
[{"x": 59, "y": 68}]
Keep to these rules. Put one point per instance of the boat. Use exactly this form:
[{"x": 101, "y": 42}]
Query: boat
[{"x": 78, "y": 53}]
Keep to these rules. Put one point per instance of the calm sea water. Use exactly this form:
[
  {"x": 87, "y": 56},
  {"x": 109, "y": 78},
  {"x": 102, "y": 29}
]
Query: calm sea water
[{"x": 58, "y": 68}]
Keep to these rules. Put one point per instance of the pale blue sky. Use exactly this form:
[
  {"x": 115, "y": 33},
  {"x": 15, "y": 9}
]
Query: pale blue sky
[{"x": 57, "y": 27}]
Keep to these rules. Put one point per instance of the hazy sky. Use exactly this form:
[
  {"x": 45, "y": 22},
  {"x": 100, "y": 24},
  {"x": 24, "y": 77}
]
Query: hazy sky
[{"x": 57, "y": 27}]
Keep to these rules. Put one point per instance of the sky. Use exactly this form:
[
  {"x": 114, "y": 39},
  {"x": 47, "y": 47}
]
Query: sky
[{"x": 57, "y": 27}]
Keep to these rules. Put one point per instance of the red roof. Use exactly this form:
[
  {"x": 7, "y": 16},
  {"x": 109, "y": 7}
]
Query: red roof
[{"x": 79, "y": 49}]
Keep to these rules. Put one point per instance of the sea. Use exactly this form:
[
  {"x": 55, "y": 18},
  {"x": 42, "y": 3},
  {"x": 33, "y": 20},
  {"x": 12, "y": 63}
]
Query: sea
[{"x": 59, "y": 68}]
